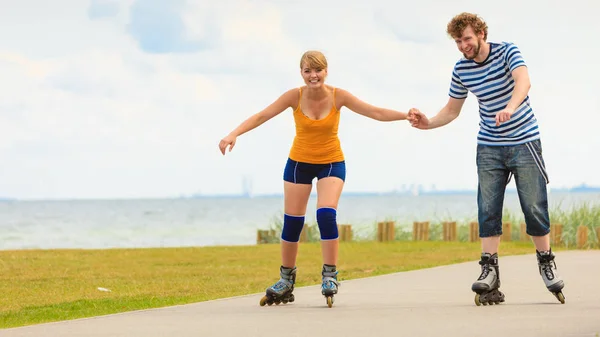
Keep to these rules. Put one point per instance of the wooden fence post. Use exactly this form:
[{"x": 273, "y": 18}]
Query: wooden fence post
[
  {"x": 345, "y": 232},
  {"x": 473, "y": 231},
  {"x": 391, "y": 231},
  {"x": 265, "y": 236},
  {"x": 582, "y": 236},
  {"x": 304, "y": 235},
  {"x": 386, "y": 231},
  {"x": 421, "y": 231},
  {"x": 523, "y": 235},
  {"x": 380, "y": 227},
  {"x": 449, "y": 231},
  {"x": 556, "y": 234},
  {"x": 506, "y": 231}
]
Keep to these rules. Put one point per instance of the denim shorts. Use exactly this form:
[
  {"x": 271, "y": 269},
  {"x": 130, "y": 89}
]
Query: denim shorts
[
  {"x": 304, "y": 173},
  {"x": 495, "y": 166}
]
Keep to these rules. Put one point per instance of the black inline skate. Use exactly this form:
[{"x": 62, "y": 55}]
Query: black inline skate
[
  {"x": 281, "y": 292},
  {"x": 547, "y": 268},
  {"x": 487, "y": 285}
]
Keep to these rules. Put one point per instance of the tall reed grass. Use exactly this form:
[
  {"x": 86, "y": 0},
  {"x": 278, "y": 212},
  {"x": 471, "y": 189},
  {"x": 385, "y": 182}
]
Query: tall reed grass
[{"x": 585, "y": 214}]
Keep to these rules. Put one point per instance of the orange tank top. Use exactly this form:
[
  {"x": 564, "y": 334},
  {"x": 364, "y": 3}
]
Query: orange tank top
[{"x": 317, "y": 141}]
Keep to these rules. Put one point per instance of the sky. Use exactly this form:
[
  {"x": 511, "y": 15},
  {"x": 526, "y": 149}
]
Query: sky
[{"x": 130, "y": 98}]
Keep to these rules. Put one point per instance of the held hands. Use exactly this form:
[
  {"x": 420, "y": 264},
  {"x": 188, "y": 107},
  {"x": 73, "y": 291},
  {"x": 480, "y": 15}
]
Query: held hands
[
  {"x": 504, "y": 115},
  {"x": 225, "y": 142},
  {"x": 417, "y": 119}
]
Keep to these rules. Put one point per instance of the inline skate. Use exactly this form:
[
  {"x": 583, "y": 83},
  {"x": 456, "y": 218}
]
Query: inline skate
[
  {"x": 547, "y": 268},
  {"x": 281, "y": 291},
  {"x": 487, "y": 286},
  {"x": 330, "y": 284}
]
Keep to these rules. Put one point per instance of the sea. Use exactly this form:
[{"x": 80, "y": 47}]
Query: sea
[{"x": 220, "y": 220}]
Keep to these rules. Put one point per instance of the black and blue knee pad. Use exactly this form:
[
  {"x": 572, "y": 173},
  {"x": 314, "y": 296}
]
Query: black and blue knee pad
[
  {"x": 292, "y": 227},
  {"x": 326, "y": 219}
]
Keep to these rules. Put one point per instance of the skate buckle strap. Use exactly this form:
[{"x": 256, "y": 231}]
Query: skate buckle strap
[
  {"x": 282, "y": 284},
  {"x": 288, "y": 274},
  {"x": 287, "y": 277},
  {"x": 330, "y": 277},
  {"x": 328, "y": 280},
  {"x": 330, "y": 273}
]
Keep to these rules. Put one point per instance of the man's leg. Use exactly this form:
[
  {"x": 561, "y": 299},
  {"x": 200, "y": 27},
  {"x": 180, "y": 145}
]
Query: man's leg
[
  {"x": 531, "y": 179},
  {"x": 493, "y": 176}
]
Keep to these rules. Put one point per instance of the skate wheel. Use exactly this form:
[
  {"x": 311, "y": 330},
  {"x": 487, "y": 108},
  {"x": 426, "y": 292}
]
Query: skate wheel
[
  {"x": 292, "y": 298},
  {"x": 477, "y": 302},
  {"x": 559, "y": 295},
  {"x": 263, "y": 301},
  {"x": 329, "y": 301}
]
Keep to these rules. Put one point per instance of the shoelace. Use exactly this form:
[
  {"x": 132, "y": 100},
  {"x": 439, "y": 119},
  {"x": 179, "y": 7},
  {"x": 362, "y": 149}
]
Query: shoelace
[
  {"x": 485, "y": 270},
  {"x": 547, "y": 269}
]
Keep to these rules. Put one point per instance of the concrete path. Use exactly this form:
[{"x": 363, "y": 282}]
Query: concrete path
[{"x": 430, "y": 302}]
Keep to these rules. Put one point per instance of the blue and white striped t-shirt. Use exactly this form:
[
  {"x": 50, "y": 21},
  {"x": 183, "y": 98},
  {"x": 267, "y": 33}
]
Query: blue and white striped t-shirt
[{"x": 492, "y": 83}]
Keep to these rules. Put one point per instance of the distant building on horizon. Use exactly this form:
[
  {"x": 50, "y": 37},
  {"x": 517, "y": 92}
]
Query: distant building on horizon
[{"x": 247, "y": 186}]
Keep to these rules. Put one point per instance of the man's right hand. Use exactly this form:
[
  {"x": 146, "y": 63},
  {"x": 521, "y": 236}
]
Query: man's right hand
[{"x": 417, "y": 119}]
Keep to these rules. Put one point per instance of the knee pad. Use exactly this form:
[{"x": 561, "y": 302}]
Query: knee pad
[
  {"x": 292, "y": 227},
  {"x": 326, "y": 219}
]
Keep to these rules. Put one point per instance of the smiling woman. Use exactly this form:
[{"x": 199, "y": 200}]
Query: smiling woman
[{"x": 315, "y": 153}]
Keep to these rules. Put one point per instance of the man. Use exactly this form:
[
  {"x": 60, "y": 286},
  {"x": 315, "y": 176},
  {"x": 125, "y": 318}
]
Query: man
[{"x": 508, "y": 144}]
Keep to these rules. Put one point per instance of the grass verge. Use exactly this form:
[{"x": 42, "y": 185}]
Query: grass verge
[{"x": 40, "y": 286}]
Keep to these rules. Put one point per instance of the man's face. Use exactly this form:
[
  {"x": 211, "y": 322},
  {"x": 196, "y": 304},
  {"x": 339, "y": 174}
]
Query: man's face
[{"x": 469, "y": 44}]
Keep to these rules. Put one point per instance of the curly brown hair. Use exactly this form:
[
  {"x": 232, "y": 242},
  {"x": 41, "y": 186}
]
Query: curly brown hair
[{"x": 459, "y": 23}]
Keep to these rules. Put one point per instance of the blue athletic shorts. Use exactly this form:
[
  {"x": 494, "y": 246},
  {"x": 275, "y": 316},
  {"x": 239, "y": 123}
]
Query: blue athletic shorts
[{"x": 304, "y": 173}]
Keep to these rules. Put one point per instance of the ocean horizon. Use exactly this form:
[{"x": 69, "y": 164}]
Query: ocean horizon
[{"x": 221, "y": 220}]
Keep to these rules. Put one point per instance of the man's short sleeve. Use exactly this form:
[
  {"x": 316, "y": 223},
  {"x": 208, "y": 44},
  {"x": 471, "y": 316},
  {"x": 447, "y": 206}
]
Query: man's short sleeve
[
  {"x": 514, "y": 59},
  {"x": 457, "y": 89}
]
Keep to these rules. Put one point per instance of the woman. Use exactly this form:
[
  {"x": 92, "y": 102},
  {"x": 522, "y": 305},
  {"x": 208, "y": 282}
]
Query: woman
[{"x": 316, "y": 153}]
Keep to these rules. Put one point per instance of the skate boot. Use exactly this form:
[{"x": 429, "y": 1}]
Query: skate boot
[
  {"x": 330, "y": 284},
  {"x": 547, "y": 268},
  {"x": 281, "y": 292},
  {"x": 486, "y": 286}
]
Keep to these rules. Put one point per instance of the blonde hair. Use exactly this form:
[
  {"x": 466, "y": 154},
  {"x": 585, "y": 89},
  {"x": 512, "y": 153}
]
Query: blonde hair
[
  {"x": 459, "y": 23},
  {"x": 313, "y": 59}
]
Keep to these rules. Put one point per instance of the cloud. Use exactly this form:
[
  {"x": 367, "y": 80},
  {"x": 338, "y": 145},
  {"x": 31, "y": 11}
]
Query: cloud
[
  {"x": 103, "y": 9},
  {"x": 134, "y": 105},
  {"x": 158, "y": 27}
]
